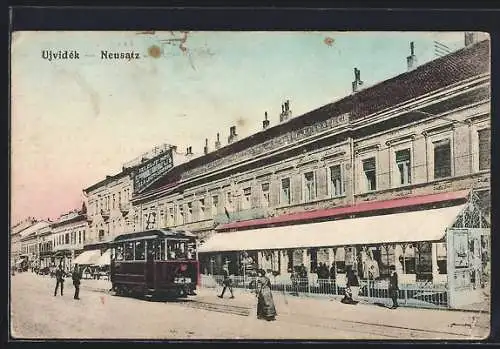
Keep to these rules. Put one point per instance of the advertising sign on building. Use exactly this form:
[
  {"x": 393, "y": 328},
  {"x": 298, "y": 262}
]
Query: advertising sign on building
[{"x": 152, "y": 170}]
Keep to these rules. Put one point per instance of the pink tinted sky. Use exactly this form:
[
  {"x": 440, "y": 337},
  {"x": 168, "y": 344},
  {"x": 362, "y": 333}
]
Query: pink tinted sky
[{"x": 74, "y": 122}]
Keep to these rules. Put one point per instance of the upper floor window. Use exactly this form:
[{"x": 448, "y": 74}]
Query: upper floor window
[
  {"x": 189, "y": 211},
  {"x": 119, "y": 198},
  {"x": 484, "y": 136},
  {"x": 79, "y": 237},
  {"x": 247, "y": 194},
  {"x": 265, "y": 194},
  {"x": 202, "y": 209},
  {"x": 215, "y": 204},
  {"x": 336, "y": 187},
  {"x": 403, "y": 164},
  {"x": 182, "y": 218},
  {"x": 285, "y": 191},
  {"x": 442, "y": 158},
  {"x": 370, "y": 174},
  {"x": 114, "y": 201},
  {"x": 309, "y": 186}
]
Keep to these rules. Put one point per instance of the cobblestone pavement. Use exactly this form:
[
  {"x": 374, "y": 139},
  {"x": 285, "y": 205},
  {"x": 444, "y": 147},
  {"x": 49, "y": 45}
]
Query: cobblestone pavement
[{"x": 36, "y": 313}]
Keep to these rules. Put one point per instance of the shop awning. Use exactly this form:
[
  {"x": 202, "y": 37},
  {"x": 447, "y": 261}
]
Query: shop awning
[
  {"x": 87, "y": 257},
  {"x": 424, "y": 225},
  {"x": 105, "y": 259}
]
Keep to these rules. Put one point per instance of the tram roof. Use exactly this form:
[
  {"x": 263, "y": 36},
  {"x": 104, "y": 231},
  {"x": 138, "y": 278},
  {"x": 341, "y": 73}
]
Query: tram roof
[{"x": 153, "y": 234}]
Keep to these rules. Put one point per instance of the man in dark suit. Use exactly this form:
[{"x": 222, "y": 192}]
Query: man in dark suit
[
  {"x": 393, "y": 287},
  {"x": 76, "y": 276},
  {"x": 228, "y": 284},
  {"x": 59, "y": 279}
]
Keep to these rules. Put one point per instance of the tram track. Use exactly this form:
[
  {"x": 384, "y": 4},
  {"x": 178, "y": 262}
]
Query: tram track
[{"x": 380, "y": 330}]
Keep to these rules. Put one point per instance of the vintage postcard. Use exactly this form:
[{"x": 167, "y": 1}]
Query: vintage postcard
[{"x": 250, "y": 185}]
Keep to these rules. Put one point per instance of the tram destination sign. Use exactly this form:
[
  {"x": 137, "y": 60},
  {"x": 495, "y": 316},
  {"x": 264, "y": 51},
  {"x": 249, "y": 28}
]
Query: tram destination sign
[{"x": 152, "y": 170}]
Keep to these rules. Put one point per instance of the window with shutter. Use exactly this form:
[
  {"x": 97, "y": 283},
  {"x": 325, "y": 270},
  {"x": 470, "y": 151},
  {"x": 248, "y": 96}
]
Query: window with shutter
[
  {"x": 265, "y": 195},
  {"x": 370, "y": 174},
  {"x": 484, "y": 149},
  {"x": 403, "y": 162},
  {"x": 442, "y": 158},
  {"x": 309, "y": 186},
  {"x": 285, "y": 191},
  {"x": 336, "y": 187}
]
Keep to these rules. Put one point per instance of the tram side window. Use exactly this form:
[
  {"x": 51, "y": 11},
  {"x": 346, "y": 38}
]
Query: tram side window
[
  {"x": 176, "y": 250},
  {"x": 191, "y": 250},
  {"x": 118, "y": 253},
  {"x": 151, "y": 249},
  {"x": 129, "y": 251},
  {"x": 140, "y": 251}
]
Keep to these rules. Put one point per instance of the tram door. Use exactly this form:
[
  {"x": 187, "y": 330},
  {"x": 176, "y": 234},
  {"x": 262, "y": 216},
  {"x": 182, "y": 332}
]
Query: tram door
[{"x": 150, "y": 266}]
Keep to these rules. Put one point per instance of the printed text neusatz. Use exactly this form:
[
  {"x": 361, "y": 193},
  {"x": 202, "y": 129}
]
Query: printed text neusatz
[{"x": 63, "y": 55}]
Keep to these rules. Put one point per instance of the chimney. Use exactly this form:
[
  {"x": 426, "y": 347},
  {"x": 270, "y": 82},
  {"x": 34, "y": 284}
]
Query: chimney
[
  {"x": 189, "y": 150},
  {"x": 265, "y": 123},
  {"x": 233, "y": 137},
  {"x": 286, "y": 113},
  {"x": 357, "y": 83},
  {"x": 470, "y": 38},
  {"x": 217, "y": 142},
  {"x": 205, "y": 149},
  {"x": 411, "y": 60}
]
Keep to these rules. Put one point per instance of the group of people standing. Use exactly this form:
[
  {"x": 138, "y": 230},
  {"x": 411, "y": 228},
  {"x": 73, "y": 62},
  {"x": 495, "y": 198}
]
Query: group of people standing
[{"x": 76, "y": 276}]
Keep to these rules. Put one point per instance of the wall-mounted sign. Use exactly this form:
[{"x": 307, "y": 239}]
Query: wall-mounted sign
[{"x": 152, "y": 170}]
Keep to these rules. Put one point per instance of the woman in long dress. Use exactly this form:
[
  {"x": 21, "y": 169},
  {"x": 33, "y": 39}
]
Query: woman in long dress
[{"x": 265, "y": 304}]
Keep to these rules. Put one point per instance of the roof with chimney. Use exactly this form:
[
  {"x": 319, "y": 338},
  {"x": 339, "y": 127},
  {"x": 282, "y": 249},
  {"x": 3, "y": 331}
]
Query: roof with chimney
[{"x": 468, "y": 62}]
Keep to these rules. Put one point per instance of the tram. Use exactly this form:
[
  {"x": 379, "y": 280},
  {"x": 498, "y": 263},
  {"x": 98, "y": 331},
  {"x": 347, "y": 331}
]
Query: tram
[{"x": 152, "y": 263}]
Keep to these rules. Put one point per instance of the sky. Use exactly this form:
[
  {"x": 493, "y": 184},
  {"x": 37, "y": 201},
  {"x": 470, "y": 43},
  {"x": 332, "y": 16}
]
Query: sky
[{"x": 75, "y": 121}]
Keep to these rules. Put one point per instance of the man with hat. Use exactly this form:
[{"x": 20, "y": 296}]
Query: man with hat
[
  {"x": 393, "y": 287},
  {"x": 76, "y": 276}
]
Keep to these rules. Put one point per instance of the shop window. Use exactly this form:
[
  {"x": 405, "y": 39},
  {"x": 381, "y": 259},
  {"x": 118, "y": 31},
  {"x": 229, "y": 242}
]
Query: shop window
[
  {"x": 140, "y": 252},
  {"x": 285, "y": 191},
  {"x": 265, "y": 195},
  {"x": 442, "y": 258},
  {"x": 289, "y": 254},
  {"x": 403, "y": 163},
  {"x": 215, "y": 204},
  {"x": 129, "y": 251},
  {"x": 423, "y": 261},
  {"x": 370, "y": 174},
  {"x": 336, "y": 187},
  {"x": 313, "y": 255},
  {"x": 340, "y": 264},
  {"x": 442, "y": 158},
  {"x": 309, "y": 186},
  {"x": 484, "y": 149}
]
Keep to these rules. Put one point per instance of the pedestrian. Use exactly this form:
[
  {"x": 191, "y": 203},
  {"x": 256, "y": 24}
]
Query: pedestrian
[
  {"x": 228, "y": 284},
  {"x": 76, "y": 276},
  {"x": 393, "y": 287},
  {"x": 59, "y": 279},
  {"x": 265, "y": 303},
  {"x": 352, "y": 287}
]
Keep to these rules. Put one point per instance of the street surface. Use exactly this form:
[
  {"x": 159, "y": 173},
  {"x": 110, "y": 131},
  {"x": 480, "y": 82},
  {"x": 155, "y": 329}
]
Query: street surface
[{"x": 36, "y": 314}]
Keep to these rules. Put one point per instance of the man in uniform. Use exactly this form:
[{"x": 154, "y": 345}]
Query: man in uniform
[
  {"x": 76, "y": 276},
  {"x": 393, "y": 287},
  {"x": 59, "y": 279}
]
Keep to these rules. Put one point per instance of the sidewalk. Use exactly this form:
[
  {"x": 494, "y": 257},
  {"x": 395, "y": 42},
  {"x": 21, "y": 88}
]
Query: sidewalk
[{"x": 441, "y": 322}]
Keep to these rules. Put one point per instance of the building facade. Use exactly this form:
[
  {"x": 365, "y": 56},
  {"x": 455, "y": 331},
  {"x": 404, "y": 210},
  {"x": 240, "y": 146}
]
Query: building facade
[
  {"x": 420, "y": 134},
  {"x": 16, "y": 232},
  {"x": 29, "y": 240},
  {"x": 69, "y": 234}
]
